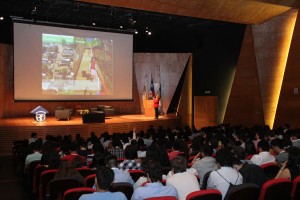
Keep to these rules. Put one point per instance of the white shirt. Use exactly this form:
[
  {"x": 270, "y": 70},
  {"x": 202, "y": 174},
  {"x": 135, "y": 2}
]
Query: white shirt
[
  {"x": 184, "y": 182},
  {"x": 263, "y": 158},
  {"x": 215, "y": 181},
  {"x": 33, "y": 157}
]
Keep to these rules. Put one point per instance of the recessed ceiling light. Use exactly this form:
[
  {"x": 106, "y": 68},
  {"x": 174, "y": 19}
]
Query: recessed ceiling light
[
  {"x": 1, "y": 18},
  {"x": 94, "y": 23}
]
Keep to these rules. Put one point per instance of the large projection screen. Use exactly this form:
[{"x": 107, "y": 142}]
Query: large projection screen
[{"x": 54, "y": 63}]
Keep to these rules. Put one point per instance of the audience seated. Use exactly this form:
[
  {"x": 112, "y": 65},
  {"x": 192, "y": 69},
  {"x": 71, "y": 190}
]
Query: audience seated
[
  {"x": 291, "y": 168},
  {"x": 184, "y": 181},
  {"x": 278, "y": 148},
  {"x": 226, "y": 175},
  {"x": 206, "y": 163},
  {"x": 154, "y": 187},
  {"x": 67, "y": 170},
  {"x": 35, "y": 156},
  {"x": 130, "y": 161},
  {"x": 104, "y": 179},
  {"x": 120, "y": 174},
  {"x": 251, "y": 173},
  {"x": 264, "y": 155}
]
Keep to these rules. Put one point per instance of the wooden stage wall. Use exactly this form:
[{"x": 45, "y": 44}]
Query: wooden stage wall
[{"x": 21, "y": 128}]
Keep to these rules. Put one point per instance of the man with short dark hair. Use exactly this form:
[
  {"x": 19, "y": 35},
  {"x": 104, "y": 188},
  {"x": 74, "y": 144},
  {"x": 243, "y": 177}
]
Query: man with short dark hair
[
  {"x": 184, "y": 181},
  {"x": 251, "y": 173},
  {"x": 221, "y": 178},
  {"x": 154, "y": 187},
  {"x": 296, "y": 138},
  {"x": 35, "y": 156},
  {"x": 120, "y": 174},
  {"x": 103, "y": 180},
  {"x": 206, "y": 164},
  {"x": 278, "y": 148},
  {"x": 264, "y": 155}
]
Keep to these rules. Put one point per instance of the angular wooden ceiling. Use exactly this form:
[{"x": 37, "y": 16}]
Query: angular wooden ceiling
[{"x": 237, "y": 11}]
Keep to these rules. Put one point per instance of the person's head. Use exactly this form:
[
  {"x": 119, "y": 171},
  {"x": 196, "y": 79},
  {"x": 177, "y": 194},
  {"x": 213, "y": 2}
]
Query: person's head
[
  {"x": 97, "y": 50},
  {"x": 179, "y": 164},
  {"x": 130, "y": 152},
  {"x": 277, "y": 145},
  {"x": 250, "y": 147},
  {"x": 294, "y": 159},
  {"x": 236, "y": 164},
  {"x": 104, "y": 178},
  {"x": 111, "y": 161},
  {"x": 224, "y": 157},
  {"x": 37, "y": 147},
  {"x": 263, "y": 145},
  {"x": 153, "y": 169},
  {"x": 207, "y": 150},
  {"x": 33, "y": 135},
  {"x": 78, "y": 161}
]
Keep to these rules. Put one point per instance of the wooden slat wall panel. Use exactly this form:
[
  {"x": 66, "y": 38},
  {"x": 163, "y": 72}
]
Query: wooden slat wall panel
[
  {"x": 288, "y": 101},
  {"x": 244, "y": 105}
]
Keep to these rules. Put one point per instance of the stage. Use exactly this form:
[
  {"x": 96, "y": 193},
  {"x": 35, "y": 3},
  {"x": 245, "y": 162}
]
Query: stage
[{"x": 21, "y": 128}]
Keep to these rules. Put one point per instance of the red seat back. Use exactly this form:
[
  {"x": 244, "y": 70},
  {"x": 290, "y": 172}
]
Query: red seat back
[
  {"x": 162, "y": 198},
  {"x": 296, "y": 189},
  {"x": 210, "y": 194},
  {"x": 75, "y": 193},
  {"x": 46, "y": 177},
  {"x": 276, "y": 189},
  {"x": 90, "y": 180},
  {"x": 136, "y": 174}
]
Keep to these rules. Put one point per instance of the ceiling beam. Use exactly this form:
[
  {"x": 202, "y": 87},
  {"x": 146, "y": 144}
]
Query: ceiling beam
[{"x": 237, "y": 11}]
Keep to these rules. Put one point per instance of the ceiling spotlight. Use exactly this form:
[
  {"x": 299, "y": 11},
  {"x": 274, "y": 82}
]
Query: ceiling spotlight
[
  {"x": 94, "y": 23},
  {"x": 34, "y": 10},
  {"x": 146, "y": 30},
  {"x": 136, "y": 32},
  {"x": 121, "y": 26},
  {"x": 131, "y": 21},
  {"x": 1, "y": 18},
  {"x": 149, "y": 33}
]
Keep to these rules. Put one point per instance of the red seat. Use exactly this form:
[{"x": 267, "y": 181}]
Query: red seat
[
  {"x": 58, "y": 186},
  {"x": 84, "y": 171},
  {"x": 245, "y": 191},
  {"x": 136, "y": 174},
  {"x": 36, "y": 177},
  {"x": 210, "y": 194},
  {"x": 90, "y": 180},
  {"x": 270, "y": 169},
  {"x": 296, "y": 189},
  {"x": 46, "y": 177},
  {"x": 162, "y": 198},
  {"x": 124, "y": 187},
  {"x": 276, "y": 189},
  {"x": 75, "y": 193}
]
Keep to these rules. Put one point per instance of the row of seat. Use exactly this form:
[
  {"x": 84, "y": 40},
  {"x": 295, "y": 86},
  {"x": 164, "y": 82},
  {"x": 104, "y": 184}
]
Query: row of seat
[{"x": 275, "y": 189}]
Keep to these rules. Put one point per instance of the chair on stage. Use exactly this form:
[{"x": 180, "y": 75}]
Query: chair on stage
[
  {"x": 63, "y": 113},
  {"x": 210, "y": 194},
  {"x": 276, "y": 189},
  {"x": 75, "y": 193}
]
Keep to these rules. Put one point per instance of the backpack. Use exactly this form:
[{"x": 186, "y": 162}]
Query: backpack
[{"x": 231, "y": 186}]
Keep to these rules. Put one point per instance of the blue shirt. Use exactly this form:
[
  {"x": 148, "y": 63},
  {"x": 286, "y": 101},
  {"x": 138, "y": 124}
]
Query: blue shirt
[
  {"x": 122, "y": 176},
  {"x": 104, "y": 195},
  {"x": 153, "y": 190}
]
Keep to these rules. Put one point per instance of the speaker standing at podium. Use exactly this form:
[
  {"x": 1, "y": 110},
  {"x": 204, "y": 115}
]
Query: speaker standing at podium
[{"x": 155, "y": 105}]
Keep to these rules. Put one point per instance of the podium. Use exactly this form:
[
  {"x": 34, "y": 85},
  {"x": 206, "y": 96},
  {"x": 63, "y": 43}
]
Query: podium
[{"x": 148, "y": 108}]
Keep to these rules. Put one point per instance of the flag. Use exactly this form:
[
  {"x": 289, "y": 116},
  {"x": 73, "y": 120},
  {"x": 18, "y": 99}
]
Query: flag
[{"x": 152, "y": 92}]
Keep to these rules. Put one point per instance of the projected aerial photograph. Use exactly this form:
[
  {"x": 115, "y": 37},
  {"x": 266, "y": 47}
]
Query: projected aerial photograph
[{"x": 76, "y": 65}]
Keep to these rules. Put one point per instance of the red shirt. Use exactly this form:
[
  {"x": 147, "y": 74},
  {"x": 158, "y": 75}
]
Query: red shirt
[{"x": 155, "y": 103}]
